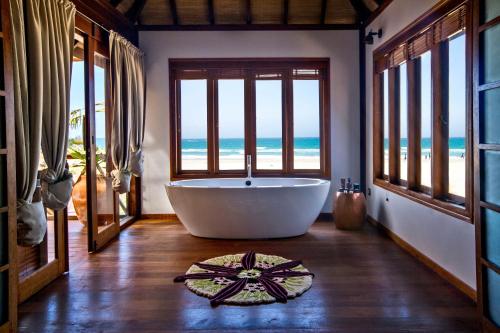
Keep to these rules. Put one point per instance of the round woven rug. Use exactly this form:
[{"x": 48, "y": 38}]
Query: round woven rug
[{"x": 249, "y": 278}]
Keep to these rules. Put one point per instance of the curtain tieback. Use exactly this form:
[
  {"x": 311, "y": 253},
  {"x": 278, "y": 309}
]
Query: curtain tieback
[
  {"x": 121, "y": 181},
  {"x": 136, "y": 163},
  {"x": 31, "y": 223},
  {"x": 56, "y": 192}
]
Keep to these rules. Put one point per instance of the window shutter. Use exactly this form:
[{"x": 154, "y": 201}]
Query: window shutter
[
  {"x": 420, "y": 44},
  {"x": 441, "y": 30},
  {"x": 398, "y": 56},
  {"x": 449, "y": 25}
]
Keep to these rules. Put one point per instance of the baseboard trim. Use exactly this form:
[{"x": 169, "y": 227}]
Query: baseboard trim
[
  {"x": 322, "y": 217},
  {"x": 443, "y": 273},
  {"x": 169, "y": 217}
]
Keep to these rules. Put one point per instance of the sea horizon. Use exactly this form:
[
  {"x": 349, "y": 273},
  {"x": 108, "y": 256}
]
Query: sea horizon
[{"x": 303, "y": 146}]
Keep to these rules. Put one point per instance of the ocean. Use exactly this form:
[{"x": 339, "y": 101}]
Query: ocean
[
  {"x": 236, "y": 146},
  {"x": 456, "y": 146},
  {"x": 302, "y": 146}
]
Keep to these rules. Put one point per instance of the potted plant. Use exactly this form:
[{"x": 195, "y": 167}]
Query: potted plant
[{"x": 77, "y": 163}]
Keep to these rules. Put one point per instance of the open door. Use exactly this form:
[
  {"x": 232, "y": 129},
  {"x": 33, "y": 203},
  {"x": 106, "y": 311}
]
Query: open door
[
  {"x": 102, "y": 202},
  {"x": 104, "y": 211}
]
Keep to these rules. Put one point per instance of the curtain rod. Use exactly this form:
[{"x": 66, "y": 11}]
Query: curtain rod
[
  {"x": 91, "y": 20},
  {"x": 107, "y": 30}
]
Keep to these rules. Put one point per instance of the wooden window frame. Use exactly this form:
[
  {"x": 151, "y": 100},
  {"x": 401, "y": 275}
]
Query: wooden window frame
[
  {"x": 426, "y": 33},
  {"x": 249, "y": 69}
]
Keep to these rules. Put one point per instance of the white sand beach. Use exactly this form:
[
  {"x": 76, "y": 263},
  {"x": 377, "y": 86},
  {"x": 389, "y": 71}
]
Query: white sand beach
[
  {"x": 237, "y": 162},
  {"x": 456, "y": 173}
]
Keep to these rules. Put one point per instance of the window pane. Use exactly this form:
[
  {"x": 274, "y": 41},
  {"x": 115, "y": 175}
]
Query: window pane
[
  {"x": 268, "y": 109},
  {"x": 194, "y": 125},
  {"x": 457, "y": 116},
  {"x": 231, "y": 124},
  {"x": 306, "y": 124},
  {"x": 386, "y": 122},
  {"x": 490, "y": 117},
  {"x": 105, "y": 197},
  {"x": 490, "y": 69},
  {"x": 426, "y": 114},
  {"x": 403, "y": 124}
]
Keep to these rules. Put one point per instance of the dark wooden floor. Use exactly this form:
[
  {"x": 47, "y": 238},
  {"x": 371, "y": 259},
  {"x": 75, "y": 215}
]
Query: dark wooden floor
[{"x": 364, "y": 283}]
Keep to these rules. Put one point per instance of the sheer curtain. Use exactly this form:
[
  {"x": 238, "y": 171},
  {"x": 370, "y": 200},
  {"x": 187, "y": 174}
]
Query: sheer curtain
[{"x": 128, "y": 101}]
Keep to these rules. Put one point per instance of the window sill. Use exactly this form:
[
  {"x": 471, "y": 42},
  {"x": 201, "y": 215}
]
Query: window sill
[{"x": 448, "y": 208}]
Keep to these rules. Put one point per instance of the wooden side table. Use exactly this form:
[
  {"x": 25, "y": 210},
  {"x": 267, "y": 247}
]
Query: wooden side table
[{"x": 350, "y": 210}]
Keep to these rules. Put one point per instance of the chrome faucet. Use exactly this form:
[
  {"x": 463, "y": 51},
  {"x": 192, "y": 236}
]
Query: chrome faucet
[{"x": 249, "y": 166}]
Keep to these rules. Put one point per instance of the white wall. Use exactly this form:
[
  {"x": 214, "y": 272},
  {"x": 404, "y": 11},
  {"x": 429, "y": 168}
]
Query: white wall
[
  {"x": 446, "y": 240},
  {"x": 340, "y": 46}
]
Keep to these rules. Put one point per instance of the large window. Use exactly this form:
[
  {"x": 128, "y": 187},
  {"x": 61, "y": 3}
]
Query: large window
[
  {"x": 275, "y": 111},
  {"x": 421, "y": 112}
]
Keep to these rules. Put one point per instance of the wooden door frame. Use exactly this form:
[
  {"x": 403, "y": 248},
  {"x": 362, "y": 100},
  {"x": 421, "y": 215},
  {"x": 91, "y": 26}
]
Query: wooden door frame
[
  {"x": 96, "y": 42},
  {"x": 9, "y": 153},
  {"x": 33, "y": 283}
]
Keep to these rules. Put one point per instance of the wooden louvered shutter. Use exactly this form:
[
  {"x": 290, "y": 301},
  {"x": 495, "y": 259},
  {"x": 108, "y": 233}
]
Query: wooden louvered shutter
[
  {"x": 398, "y": 55},
  {"x": 449, "y": 25}
]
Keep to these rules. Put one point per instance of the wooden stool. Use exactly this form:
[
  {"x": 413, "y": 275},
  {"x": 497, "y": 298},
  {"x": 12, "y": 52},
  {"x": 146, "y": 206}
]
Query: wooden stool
[{"x": 350, "y": 210}]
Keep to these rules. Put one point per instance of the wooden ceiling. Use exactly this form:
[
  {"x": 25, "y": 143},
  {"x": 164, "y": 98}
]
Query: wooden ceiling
[{"x": 247, "y": 14}]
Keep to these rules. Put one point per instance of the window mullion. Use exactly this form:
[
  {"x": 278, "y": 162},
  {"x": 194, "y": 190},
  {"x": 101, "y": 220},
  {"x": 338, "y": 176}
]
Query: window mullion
[
  {"x": 287, "y": 117},
  {"x": 212, "y": 132},
  {"x": 394, "y": 124},
  {"x": 378, "y": 126},
  {"x": 414, "y": 123},
  {"x": 440, "y": 85},
  {"x": 250, "y": 131}
]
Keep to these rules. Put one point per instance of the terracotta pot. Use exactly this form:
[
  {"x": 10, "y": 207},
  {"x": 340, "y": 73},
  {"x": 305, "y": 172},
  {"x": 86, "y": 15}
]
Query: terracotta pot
[
  {"x": 350, "y": 211},
  {"x": 104, "y": 199}
]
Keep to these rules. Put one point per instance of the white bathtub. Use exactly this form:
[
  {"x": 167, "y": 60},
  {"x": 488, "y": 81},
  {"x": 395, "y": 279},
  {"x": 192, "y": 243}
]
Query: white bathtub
[{"x": 228, "y": 208}]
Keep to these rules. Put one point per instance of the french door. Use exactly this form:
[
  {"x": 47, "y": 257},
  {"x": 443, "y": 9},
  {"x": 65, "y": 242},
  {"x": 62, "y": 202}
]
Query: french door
[{"x": 101, "y": 202}]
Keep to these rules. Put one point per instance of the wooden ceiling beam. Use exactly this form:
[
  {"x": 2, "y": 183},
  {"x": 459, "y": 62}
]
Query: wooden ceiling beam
[
  {"x": 115, "y": 3},
  {"x": 173, "y": 11},
  {"x": 135, "y": 10},
  {"x": 211, "y": 15},
  {"x": 285, "y": 12},
  {"x": 247, "y": 27},
  {"x": 249, "y": 12},
  {"x": 323, "y": 11},
  {"x": 361, "y": 9}
]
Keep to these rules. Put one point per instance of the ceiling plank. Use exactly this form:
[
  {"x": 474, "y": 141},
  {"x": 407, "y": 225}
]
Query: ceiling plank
[
  {"x": 323, "y": 11},
  {"x": 115, "y": 3},
  {"x": 211, "y": 16},
  {"x": 249, "y": 12},
  {"x": 135, "y": 10},
  {"x": 173, "y": 11},
  {"x": 285, "y": 12},
  {"x": 361, "y": 9}
]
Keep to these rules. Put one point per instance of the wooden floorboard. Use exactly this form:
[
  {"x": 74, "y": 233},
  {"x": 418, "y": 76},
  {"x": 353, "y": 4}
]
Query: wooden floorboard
[{"x": 364, "y": 283}]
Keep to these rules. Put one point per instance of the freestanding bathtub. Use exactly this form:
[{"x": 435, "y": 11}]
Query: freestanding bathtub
[{"x": 230, "y": 208}]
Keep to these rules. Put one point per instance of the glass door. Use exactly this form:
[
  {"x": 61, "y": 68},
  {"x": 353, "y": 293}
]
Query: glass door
[{"x": 104, "y": 216}]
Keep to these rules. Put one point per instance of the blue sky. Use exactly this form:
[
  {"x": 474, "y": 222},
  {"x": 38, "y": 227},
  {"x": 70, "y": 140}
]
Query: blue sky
[
  {"x": 77, "y": 99},
  {"x": 231, "y": 108}
]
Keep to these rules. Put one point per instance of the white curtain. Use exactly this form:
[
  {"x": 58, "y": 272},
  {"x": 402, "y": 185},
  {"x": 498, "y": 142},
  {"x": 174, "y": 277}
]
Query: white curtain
[
  {"x": 56, "y": 28},
  {"x": 35, "y": 23},
  {"x": 128, "y": 101}
]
